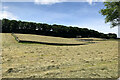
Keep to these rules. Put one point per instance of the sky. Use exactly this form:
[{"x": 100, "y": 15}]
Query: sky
[{"x": 76, "y": 14}]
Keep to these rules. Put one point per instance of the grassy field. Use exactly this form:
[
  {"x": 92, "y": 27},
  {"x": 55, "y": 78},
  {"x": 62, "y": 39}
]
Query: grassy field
[
  {"x": 19, "y": 60},
  {"x": 47, "y": 39}
]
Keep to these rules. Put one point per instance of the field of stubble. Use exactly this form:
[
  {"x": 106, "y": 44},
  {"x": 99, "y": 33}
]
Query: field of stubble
[{"x": 98, "y": 60}]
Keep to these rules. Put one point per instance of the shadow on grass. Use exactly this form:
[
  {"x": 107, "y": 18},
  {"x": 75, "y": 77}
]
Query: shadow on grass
[{"x": 57, "y": 44}]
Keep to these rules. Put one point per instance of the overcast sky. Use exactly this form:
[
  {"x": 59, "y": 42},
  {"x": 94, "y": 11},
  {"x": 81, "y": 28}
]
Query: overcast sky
[{"x": 78, "y": 14}]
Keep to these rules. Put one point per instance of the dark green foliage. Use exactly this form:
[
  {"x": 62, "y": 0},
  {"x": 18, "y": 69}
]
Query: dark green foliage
[
  {"x": 112, "y": 12},
  {"x": 13, "y": 26}
]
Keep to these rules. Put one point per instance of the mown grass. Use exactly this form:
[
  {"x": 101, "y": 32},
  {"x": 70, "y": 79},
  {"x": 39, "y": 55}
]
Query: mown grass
[
  {"x": 24, "y": 60},
  {"x": 50, "y": 40},
  {"x": 47, "y": 39}
]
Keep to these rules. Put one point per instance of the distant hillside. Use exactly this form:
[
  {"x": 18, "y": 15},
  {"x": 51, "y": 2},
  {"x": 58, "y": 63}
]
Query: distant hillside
[{"x": 13, "y": 26}]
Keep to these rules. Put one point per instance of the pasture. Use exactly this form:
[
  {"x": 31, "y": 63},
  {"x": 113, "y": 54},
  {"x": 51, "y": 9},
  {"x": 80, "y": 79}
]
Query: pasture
[{"x": 20, "y": 60}]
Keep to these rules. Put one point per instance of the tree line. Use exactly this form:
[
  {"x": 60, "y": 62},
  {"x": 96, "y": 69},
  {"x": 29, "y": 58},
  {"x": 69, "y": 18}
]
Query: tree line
[{"x": 14, "y": 26}]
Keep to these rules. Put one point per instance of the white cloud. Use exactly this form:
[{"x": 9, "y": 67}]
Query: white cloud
[
  {"x": 8, "y": 15},
  {"x": 90, "y": 1},
  {"x": 46, "y": 2},
  {"x": 5, "y": 7}
]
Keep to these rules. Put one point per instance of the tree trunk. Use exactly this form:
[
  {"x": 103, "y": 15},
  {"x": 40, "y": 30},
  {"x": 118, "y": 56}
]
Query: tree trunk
[{"x": 119, "y": 28}]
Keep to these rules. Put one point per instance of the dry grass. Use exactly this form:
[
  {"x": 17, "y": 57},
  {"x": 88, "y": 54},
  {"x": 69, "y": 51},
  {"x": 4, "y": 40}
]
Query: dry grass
[{"x": 99, "y": 60}]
